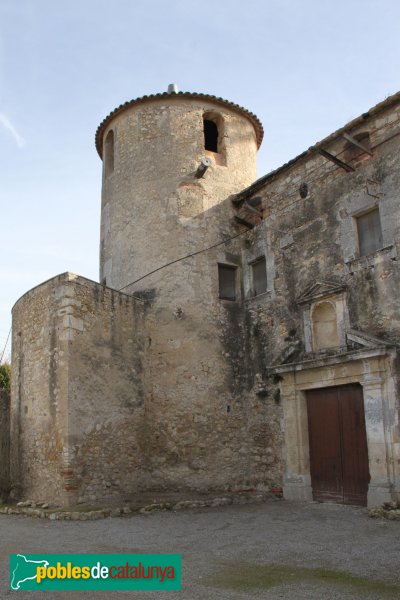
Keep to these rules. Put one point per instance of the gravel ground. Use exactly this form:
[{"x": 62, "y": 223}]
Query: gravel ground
[{"x": 272, "y": 550}]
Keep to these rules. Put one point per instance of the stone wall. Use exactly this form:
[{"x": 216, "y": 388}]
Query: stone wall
[
  {"x": 110, "y": 400},
  {"x": 39, "y": 387},
  {"x": 77, "y": 390},
  {"x": 107, "y": 436},
  {"x": 4, "y": 443},
  {"x": 205, "y": 431},
  {"x": 215, "y": 405},
  {"x": 172, "y": 388},
  {"x": 312, "y": 256},
  {"x": 314, "y": 239},
  {"x": 211, "y": 430}
]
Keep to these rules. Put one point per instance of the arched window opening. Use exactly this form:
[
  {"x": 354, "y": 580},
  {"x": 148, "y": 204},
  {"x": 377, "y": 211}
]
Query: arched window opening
[
  {"x": 324, "y": 325},
  {"x": 109, "y": 153},
  {"x": 210, "y": 135}
]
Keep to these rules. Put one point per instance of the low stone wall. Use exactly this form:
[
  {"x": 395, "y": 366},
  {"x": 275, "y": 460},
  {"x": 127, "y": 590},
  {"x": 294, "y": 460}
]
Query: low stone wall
[
  {"x": 77, "y": 393},
  {"x": 4, "y": 443},
  {"x": 140, "y": 506}
]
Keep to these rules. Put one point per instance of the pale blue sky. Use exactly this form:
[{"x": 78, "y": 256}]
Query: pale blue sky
[{"x": 305, "y": 68}]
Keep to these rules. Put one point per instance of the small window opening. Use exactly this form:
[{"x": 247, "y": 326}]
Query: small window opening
[
  {"x": 210, "y": 135},
  {"x": 369, "y": 232},
  {"x": 109, "y": 153},
  {"x": 259, "y": 276},
  {"x": 227, "y": 282}
]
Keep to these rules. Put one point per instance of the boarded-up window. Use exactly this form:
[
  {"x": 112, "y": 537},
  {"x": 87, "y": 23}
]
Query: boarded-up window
[
  {"x": 259, "y": 276},
  {"x": 227, "y": 282},
  {"x": 369, "y": 232},
  {"x": 109, "y": 153}
]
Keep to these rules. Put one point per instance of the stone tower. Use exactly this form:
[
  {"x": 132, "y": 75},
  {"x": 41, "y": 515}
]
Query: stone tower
[
  {"x": 130, "y": 385},
  {"x": 152, "y": 149},
  {"x": 170, "y": 162}
]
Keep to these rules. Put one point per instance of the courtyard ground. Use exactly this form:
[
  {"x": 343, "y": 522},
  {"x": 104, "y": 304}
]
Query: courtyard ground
[{"x": 272, "y": 550}]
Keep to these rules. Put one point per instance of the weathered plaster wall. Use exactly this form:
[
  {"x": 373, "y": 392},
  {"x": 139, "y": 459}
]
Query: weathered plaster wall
[
  {"x": 314, "y": 239},
  {"x": 310, "y": 239},
  {"x": 77, "y": 391},
  {"x": 4, "y": 443}
]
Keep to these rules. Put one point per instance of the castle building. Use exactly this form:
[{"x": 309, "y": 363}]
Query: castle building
[{"x": 244, "y": 333}]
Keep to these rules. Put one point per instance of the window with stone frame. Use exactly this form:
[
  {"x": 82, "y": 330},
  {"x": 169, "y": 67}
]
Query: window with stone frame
[
  {"x": 259, "y": 276},
  {"x": 227, "y": 281},
  {"x": 369, "y": 232}
]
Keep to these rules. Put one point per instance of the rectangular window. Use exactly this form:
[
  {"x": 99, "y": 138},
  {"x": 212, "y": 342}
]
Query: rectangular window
[
  {"x": 259, "y": 276},
  {"x": 227, "y": 282},
  {"x": 369, "y": 232}
]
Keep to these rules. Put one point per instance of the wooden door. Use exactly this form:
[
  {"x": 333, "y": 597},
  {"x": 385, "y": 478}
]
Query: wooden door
[{"x": 338, "y": 444}]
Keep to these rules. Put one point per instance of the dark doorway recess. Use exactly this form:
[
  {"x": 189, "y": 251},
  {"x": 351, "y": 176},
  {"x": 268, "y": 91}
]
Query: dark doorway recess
[
  {"x": 338, "y": 444},
  {"x": 210, "y": 135}
]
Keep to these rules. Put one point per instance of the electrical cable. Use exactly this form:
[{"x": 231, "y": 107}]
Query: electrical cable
[
  {"x": 227, "y": 240},
  {"x": 4, "y": 349}
]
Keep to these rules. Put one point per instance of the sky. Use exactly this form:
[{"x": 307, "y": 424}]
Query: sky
[{"x": 304, "y": 68}]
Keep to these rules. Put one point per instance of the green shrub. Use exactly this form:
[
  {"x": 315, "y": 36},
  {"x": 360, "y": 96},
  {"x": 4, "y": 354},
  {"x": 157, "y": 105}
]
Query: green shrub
[{"x": 5, "y": 377}]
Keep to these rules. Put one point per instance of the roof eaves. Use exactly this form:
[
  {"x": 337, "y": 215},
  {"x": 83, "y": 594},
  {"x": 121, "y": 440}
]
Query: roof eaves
[
  {"x": 258, "y": 184},
  {"x": 251, "y": 116}
]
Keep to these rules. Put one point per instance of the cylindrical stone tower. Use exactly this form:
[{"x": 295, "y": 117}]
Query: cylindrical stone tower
[
  {"x": 170, "y": 162},
  {"x": 152, "y": 149}
]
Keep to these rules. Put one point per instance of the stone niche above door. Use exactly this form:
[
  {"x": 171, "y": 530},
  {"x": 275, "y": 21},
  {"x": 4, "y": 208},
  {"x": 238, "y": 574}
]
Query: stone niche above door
[{"x": 325, "y": 316}]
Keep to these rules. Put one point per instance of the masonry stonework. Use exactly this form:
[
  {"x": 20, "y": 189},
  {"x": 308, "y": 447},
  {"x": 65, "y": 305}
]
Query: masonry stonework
[
  {"x": 314, "y": 257},
  {"x": 76, "y": 424},
  {"x": 4, "y": 443},
  {"x": 151, "y": 380}
]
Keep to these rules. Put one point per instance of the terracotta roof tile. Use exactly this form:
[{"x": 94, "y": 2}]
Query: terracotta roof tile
[
  {"x": 252, "y": 117},
  {"x": 258, "y": 184}
]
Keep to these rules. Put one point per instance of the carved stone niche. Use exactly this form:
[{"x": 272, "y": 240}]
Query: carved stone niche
[{"x": 325, "y": 316}]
